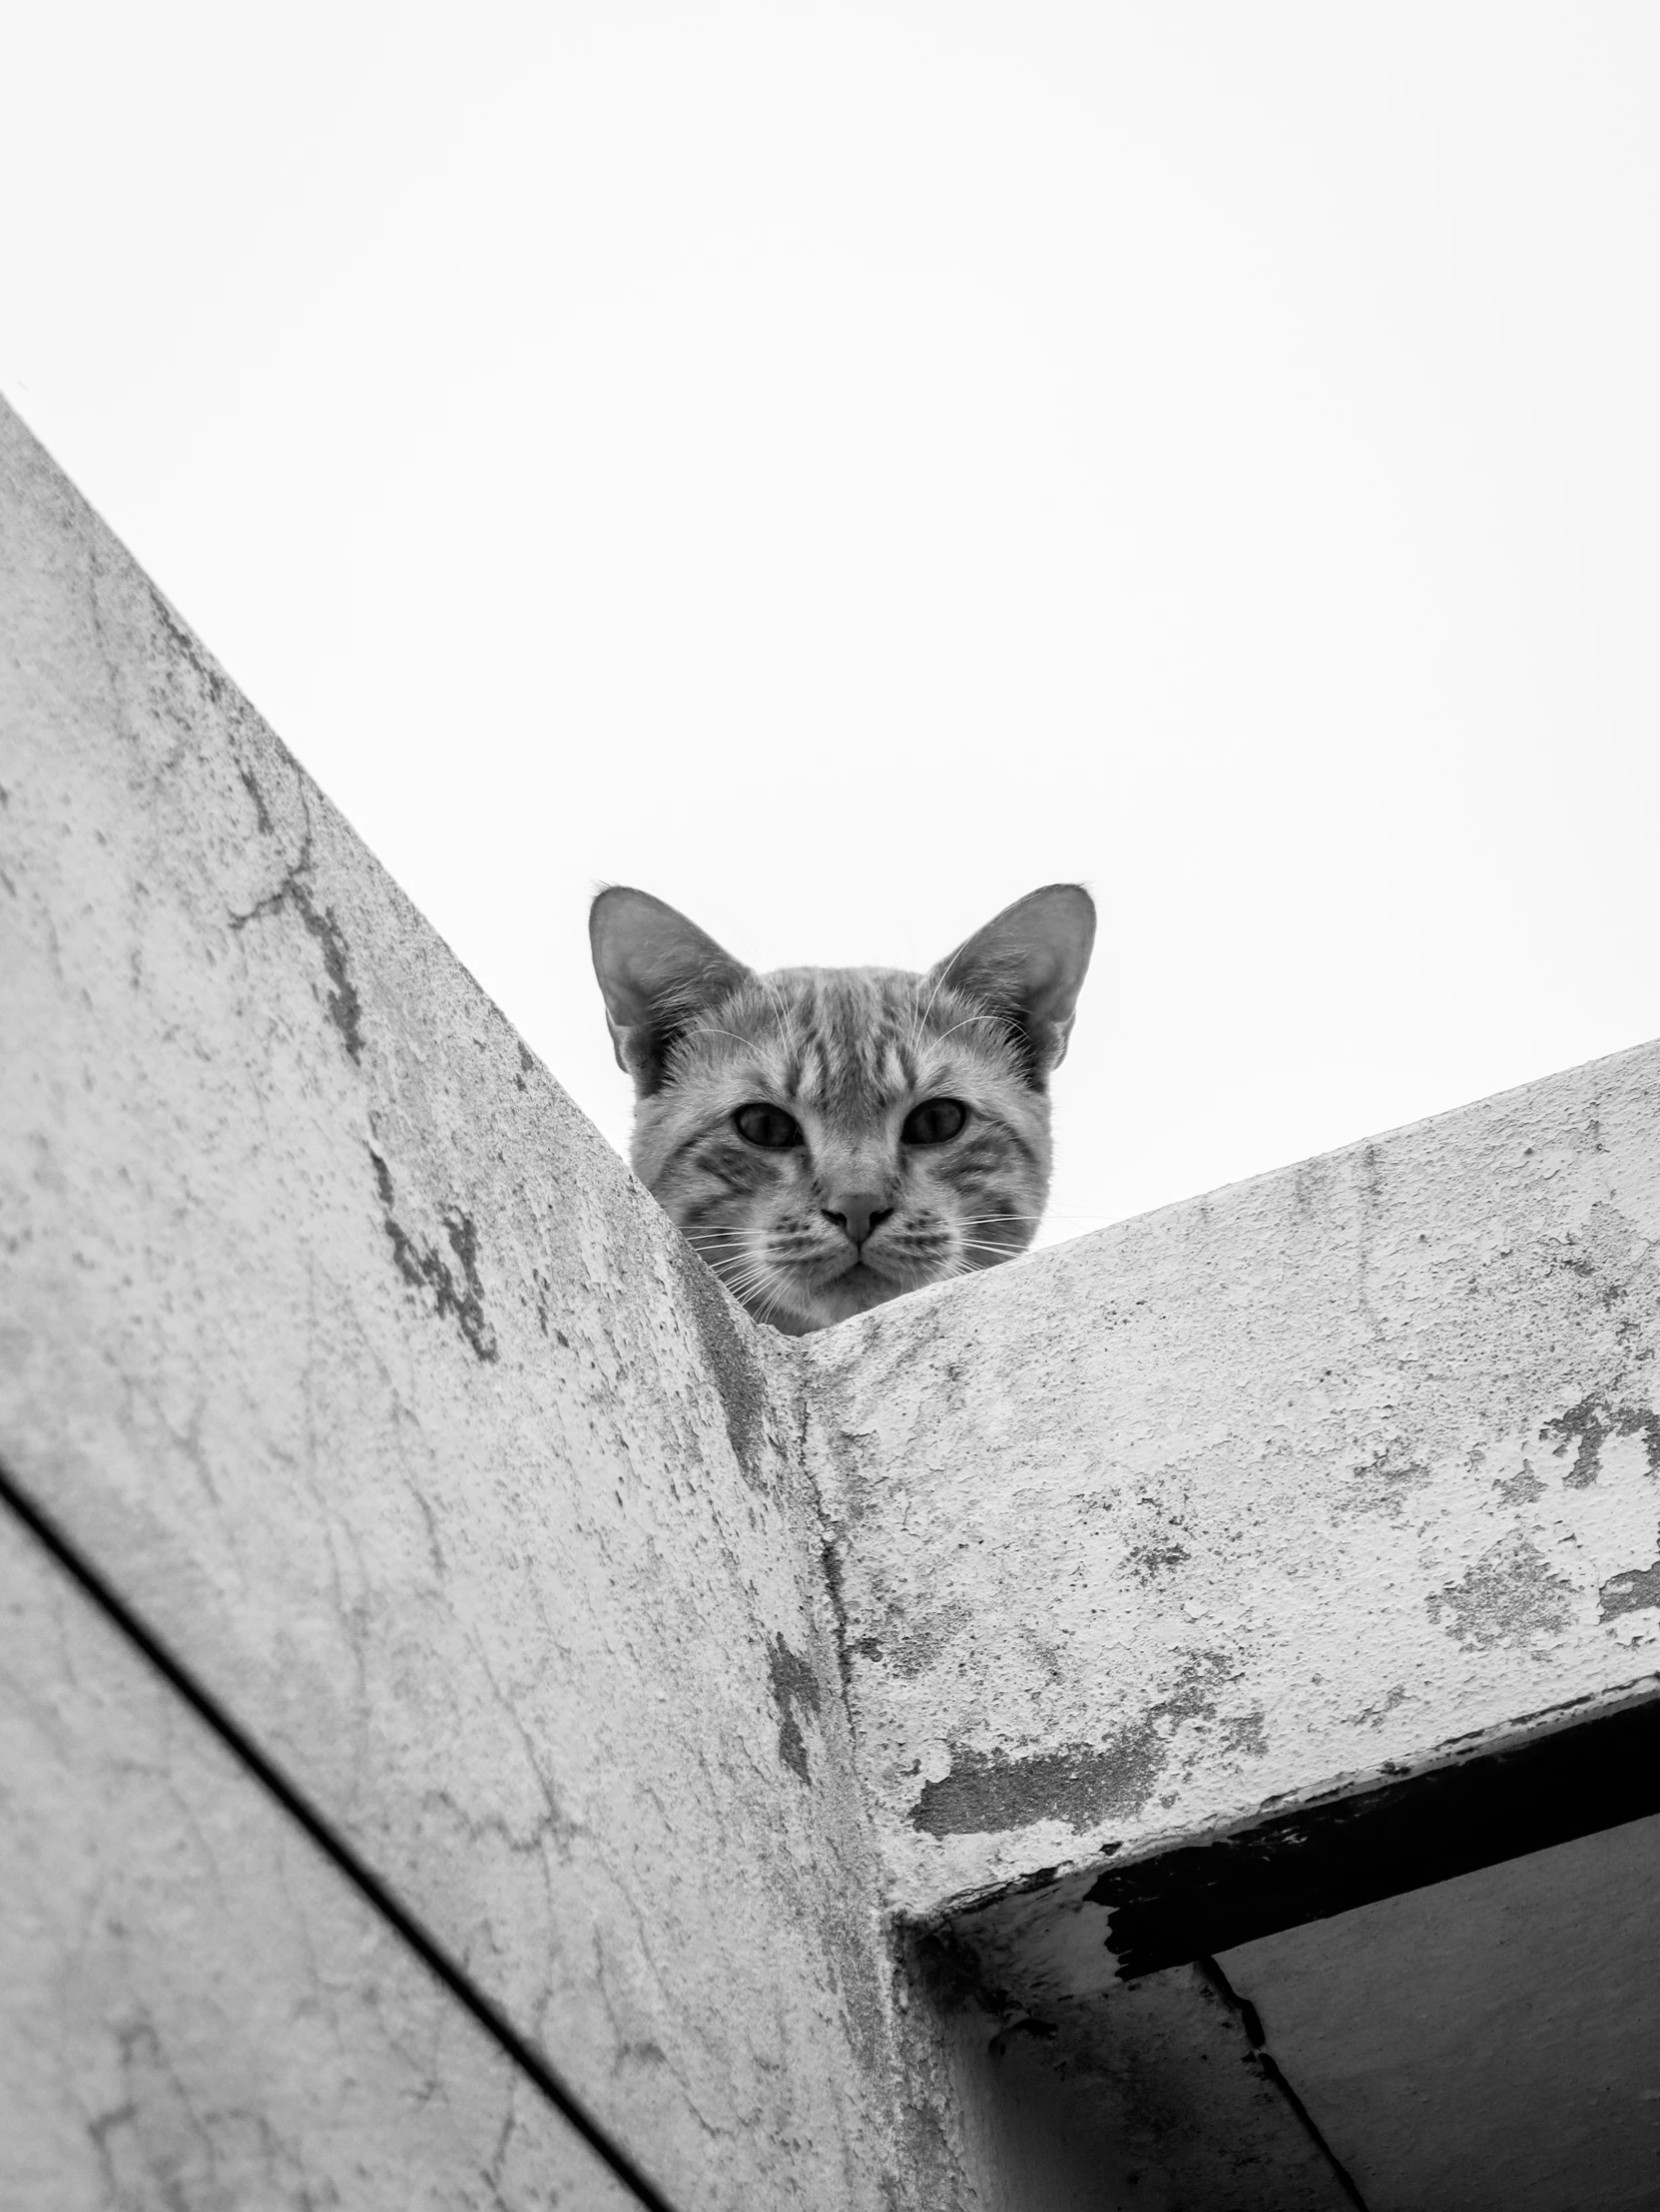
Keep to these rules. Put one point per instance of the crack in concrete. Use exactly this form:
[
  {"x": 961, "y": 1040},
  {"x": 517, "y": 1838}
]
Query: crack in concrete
[
  {"x": 424, "y": 1268},
  {"x": 345, "y": 1006},
  {"x": 450, "y": 1973},
  {"x": 262, "y": 812}
]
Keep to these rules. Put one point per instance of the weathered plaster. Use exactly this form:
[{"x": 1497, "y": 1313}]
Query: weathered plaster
[
  {"x": 338, "y": 1339},
  {"x": 151, "y": 2055},
  {"x": 752, "y": 1718},
  {"x": 1260, "y": 1498}
]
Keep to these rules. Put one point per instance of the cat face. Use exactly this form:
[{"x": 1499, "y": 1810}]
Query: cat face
[{"x": 827, "y": 1138}]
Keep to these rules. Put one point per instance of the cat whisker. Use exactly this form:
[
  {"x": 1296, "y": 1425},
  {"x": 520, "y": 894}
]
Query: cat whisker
[
  {"x": 708, "y": 1029},
  {"x": 760, "y": 1288},
  {"x": 778, "y": 1008},
  {"x": 966, "y": 1023},
  {"x": 736, "y": 1276},
  {"x": 944, "y": 974},
  {"x": 741, "y": 1263}
]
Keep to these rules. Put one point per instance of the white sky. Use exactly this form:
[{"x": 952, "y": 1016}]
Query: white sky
[{"x": 841, "y": 466}]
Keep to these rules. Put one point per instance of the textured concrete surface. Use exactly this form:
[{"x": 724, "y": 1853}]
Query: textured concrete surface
[
  {"x": 1263, "y": 1496},
  {"x": 335, "y": 1335},
  {"x": 1238, "y": 1512},
  {"x": 196, "y": 2011},
  {"x": 749, "y": 1718}
]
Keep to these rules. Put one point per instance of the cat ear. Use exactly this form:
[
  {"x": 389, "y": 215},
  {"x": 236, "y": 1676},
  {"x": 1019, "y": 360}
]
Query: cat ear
[
  {"x": 658, "y": 971},
  {"x": 1029, "y": 963}
]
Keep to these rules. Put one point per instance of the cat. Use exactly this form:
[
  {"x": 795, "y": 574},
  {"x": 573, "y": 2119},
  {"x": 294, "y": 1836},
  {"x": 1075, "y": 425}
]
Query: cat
[{"x": 829, "y": 1138}]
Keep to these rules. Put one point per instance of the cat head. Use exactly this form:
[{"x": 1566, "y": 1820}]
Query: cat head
[{"x": 827, "y": 1138}]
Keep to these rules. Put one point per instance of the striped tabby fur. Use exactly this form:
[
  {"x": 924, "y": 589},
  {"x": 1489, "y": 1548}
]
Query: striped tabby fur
[{"x": 827, "y": 1138}]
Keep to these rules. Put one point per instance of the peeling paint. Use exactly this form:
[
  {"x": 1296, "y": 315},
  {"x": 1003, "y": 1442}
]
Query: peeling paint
[
  {"x": 1521, "y": 1488},
  {"x": 1589, "y": 1424},
  {"x": 983, "y": 1793},
  {"x": 1629, "y": 1593},
  {"x": 1384, "y": 1483},
  {"x": 1247, "y": 1733},
  {"x": 1151, "y": 1561},
  {"x": 1375, "y": 1715},
  {"x": 1082, "y": 1785},
  {"x": 917, "y": 1651},
  {"x": 910, "y": 1642},
  {"x": 1509, "y": 1596}
]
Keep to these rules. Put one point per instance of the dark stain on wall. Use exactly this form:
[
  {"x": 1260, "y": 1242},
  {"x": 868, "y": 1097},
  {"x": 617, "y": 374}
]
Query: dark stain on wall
[
  {"x": 856, "y": 1959},
  {"x": 422, "y": 1268},
  {"x": 1509, "y": 1596},
  {"x": 796, "y": 1695},
  {"x": 831, "y": 1563},
  {"x": 194, "y": 653},
  {"x": 1081, "y": 1783},
  {"x": 262, "y": 812},
  {"x": 1587, "y": 1428},
  {"x": 1384, "y": 1482},
  {"x": 917, "y": 1649},
  {"x": 941, "y": 1962},
  {"x": 1630, "y": 1592},
  {"x": 1155, "y": 1560},
  {"x": 733, "y": 1369},
  {"x": 344, "y": 1007},
  {"x": 1345, "y": 1852}
]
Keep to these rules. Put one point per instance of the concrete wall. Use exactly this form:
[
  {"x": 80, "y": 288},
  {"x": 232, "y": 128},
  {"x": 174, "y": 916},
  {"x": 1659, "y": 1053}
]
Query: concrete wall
[
  {"x": 1272, "y": 1493},
  {"x": 812, "y": 1751},
  {"x": 339, "y": 1342},
  {"x": 1258, "y": 1606},
  {"x": 198, "y": 2010}
]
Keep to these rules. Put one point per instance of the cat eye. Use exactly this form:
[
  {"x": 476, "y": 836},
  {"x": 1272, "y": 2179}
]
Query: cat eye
[
  {"x": 770, "y": 1126},
  {"x": 934, "y": 1121}
]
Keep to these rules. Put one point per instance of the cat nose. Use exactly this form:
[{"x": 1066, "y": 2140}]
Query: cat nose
[{"x": 857, "y": 1213}]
